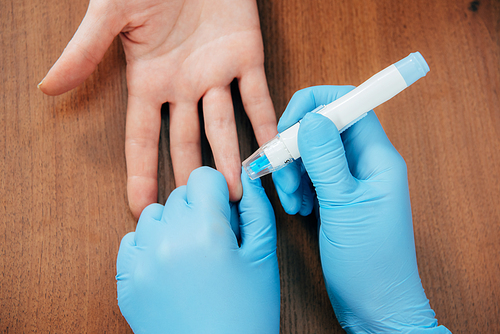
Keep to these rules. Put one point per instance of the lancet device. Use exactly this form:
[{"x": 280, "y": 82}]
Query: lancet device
[{"x": 345, "y": 111}]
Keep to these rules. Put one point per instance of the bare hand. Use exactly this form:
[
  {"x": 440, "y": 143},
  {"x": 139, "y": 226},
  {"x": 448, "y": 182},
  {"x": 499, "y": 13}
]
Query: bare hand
[{"x": 177, "y": 51}]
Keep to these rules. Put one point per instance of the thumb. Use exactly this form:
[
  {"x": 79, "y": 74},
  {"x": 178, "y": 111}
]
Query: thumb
[
  {"x": 257, "y": 221},
  {"x": 125, "y": 266},
  {"x": 125, "y": 256},
  {"x": 324, "y": 158},
  {"x": 85, "y": 50}
]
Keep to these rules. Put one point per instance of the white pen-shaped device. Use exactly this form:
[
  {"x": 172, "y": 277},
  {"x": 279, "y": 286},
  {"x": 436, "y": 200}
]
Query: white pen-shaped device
[{"x": 283, "y": 149}]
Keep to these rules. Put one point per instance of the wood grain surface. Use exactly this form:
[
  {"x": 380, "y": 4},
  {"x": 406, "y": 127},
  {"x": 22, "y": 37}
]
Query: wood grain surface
[{"x": 63, "y": 198}]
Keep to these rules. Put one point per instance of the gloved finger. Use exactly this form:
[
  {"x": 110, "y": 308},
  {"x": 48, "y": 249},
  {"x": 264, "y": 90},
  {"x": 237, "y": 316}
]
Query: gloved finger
[
  {"x": 220, "y": 127},
  {"x": 175, "y": 202},
  {"x": 287, "y": 182},
  {"x": 308, "y": 196},
  {"x": 258, "y": 224},
  {"x": 85, "y": 50},
  {"x": 126, "y": 263},
  {"x": 294, "y": 190},
  {"x": 306, "y": 100},
  {"x": 153, "y": 211},
  {"x": 141, "y": 152},
  {"x": 258, "y": 104},
  {"x": 126, "y": 256},
  {"x": 185, "y": 146},
  {"x": 323, "y": 156},
  {"x": 150, "y": 227},
  {"x": 369, "y": 152},
  {"x": 207, "y": 191}
]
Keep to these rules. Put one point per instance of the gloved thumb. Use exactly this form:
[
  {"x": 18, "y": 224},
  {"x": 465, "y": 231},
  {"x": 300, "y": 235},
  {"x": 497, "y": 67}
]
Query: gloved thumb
[
  {"x": 85, "y": 50},
  {"x": 257, "y": 220},
  {"x": 324, "y": 157}
]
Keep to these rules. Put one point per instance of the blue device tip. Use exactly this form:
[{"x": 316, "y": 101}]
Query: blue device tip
[
  {"x": 259, "y": 164},
  {"x": 412, "y": 67}
]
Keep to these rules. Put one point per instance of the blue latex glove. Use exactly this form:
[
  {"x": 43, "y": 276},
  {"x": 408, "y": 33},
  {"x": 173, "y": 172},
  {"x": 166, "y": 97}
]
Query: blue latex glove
[
  {"x": 292, "y": 183},
  {"x": 182, "y": 270},
  {"x": 366, "y": 233}
]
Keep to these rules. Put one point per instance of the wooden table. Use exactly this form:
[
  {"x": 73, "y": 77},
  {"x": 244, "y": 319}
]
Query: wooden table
[{"x": 63, "y": 179}]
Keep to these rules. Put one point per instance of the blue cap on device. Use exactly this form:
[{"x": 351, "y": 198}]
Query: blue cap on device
[{"x": 412, "y": 67}]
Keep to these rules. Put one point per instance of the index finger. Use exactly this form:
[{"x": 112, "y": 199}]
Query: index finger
[{"x": 369, "y": 151}]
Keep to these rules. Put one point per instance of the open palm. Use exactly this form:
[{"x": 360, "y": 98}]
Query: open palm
[{"x": 178, "y": 51}]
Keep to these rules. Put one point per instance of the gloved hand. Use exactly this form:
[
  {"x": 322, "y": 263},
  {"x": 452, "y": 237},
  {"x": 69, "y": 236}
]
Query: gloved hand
[
  {"x": 292, "y": 183},
  {"x": 366, "y": 234},
  {"x": 182, "y": 270}
]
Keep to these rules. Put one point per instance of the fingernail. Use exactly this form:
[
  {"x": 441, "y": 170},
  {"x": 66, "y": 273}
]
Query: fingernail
[{"x": 41, "y": 82}]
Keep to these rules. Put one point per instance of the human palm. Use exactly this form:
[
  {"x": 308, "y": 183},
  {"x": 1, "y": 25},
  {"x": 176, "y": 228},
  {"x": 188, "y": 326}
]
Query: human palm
[{"x": 177, "y": 51}]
